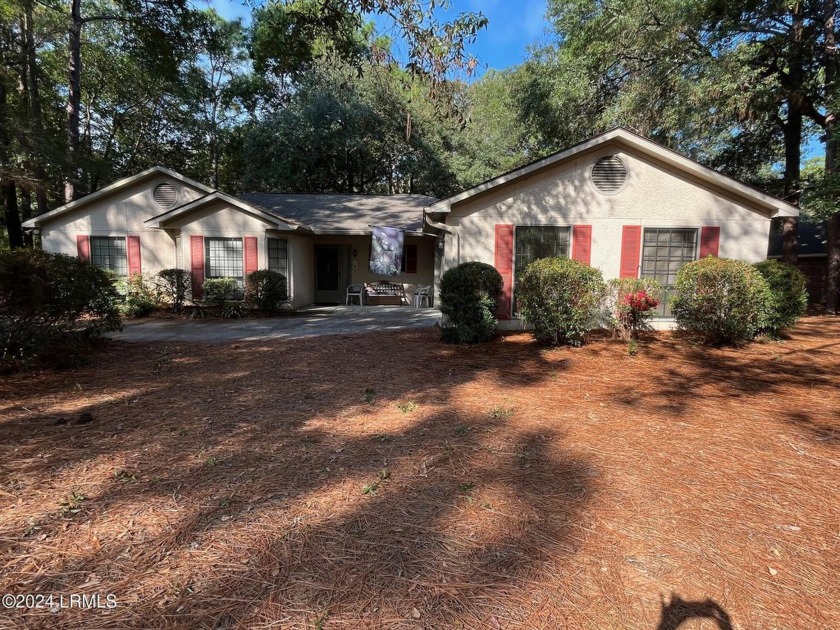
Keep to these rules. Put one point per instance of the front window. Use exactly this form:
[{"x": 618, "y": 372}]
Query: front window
[
  {"x": 665, "y": 251},
  {"x": 533, "y": 242},
  {"x": 278, "y": 257},
  {"x": 223, "y": 258},
  {"x": 540, "y": 241},
  {"x": 108, "y": 252}
]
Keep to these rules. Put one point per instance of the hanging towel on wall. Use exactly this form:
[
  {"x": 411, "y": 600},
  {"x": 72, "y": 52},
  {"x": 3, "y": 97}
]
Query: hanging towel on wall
[{"x": 386, "y": 251}]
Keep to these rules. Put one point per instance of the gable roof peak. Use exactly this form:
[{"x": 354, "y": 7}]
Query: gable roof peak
[
  {"x": 774, "y": 206},
  {"x": 120, "y": 184}
]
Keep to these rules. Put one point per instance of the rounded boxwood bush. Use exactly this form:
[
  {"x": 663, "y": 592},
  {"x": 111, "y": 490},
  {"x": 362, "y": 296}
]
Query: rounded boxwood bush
[
  {"x": 468, "y": 295},
  {"x": 265, "y": 290},
  {"x": 219, "y": 290},
  {"x": 726, "y": 301},
  {"x": 789, "y": 291},
  {"x": 560, "y": 297}
]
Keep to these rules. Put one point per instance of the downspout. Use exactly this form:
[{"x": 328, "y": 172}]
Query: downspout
[
  {"x": 452, "y": 231},
  {"x": 439, "y": 226},
  {"x": 449, "y": 229}
]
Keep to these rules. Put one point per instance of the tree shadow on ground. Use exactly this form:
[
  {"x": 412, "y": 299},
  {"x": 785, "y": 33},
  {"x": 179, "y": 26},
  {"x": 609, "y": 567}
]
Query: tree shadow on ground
[
  {"x": 705, "y": 375},
  {"x": 678, "y": 611},
  {"x": 270, "y": 492}
]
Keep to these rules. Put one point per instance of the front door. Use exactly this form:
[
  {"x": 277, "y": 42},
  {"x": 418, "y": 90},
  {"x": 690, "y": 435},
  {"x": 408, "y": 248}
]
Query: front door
[{"x": 329, "y": 275}]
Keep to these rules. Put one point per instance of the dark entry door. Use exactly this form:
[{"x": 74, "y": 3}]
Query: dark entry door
[{"x": 328, "y": 275}]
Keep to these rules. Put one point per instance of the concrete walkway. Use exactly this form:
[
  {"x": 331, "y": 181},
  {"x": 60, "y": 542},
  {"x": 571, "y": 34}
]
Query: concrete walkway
[{"x": 311, "y": 322}]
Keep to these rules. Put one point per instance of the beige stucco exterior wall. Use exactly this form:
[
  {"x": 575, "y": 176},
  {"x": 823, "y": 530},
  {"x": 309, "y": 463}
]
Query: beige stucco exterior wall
[
  {"x": 301, "y": 270},
  {"x": 121, "y": 214},
  {"x": 124, "y": 212},
  {"x": 653, "y": 196},
  {"x": 220, "y": 220}
]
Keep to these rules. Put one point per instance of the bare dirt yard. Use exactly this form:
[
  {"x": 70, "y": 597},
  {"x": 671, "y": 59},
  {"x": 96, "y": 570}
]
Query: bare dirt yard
[{"x": 391, "y": 481}]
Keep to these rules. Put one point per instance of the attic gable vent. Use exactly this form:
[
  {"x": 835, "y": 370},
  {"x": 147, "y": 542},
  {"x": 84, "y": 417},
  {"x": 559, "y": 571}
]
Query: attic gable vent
[
  {"x": 609, "y": 174},
  {"x": 165, "y": 195}
]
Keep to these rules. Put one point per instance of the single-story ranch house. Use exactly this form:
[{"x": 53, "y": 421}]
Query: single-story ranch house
[{"x": 619, "y": 202}]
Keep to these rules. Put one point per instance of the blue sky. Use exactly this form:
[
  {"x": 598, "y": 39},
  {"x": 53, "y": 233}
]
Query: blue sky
[{"x": 513, "y": 26}]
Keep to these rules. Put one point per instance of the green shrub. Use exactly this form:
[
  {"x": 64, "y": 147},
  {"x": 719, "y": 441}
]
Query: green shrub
[
  {"x": 789, "y": 295},
  {"x": 560, "y": 298},
  {"x": 265, "y": 290},
  {"x": 174, "y": 286},
  {"x": 726, "y": 301},
  {"x": 52, "y": 305},
  {"x": 468, "y": 295},
  {"x": 139, "y": 297},
  {"x": 220, "y": 290},
  {"x": 138, "y": 307},
  {"x": 619, "y": 310},
  {"x": 233, "y": 310}
]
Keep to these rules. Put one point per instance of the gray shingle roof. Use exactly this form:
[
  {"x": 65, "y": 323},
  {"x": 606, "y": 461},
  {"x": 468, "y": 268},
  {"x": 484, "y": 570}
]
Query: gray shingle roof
[{"x": 344, "y": 213}]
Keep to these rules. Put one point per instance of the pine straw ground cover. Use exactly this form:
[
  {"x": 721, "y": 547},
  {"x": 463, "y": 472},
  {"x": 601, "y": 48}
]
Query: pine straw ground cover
[{"x": 391, "y": 481}]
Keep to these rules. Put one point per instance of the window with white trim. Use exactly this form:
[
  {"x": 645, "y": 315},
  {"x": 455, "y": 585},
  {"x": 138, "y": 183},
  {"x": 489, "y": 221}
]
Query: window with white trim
[
  {"x": 223, "y": 258},
  {"x": 664, "y": 252},
  {"x": 109, "y": 252},
  {"x": 532, "y": 242}
]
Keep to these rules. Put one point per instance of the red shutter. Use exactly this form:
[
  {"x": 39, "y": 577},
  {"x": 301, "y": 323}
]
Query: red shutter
[
  {"x": 631, "y": 245},
  {"x": 709, "y": 241},
  {"x": 83, "y": 247},
  {"x": 582, "y": 243},
  {"x": 251, "y": 260},
  {"x": 197, "y": 265},
  {"x": 411, "y": 258},
  {"x": 503, "y": 262},
  {"x": 133, "y": 246}
]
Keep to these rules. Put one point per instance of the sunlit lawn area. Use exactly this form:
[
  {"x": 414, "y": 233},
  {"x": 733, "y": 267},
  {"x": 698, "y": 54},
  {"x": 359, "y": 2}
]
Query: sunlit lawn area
[{"x": 391, "y": 481}]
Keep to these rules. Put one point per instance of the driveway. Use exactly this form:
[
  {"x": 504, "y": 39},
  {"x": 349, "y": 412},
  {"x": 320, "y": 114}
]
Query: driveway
[{"x": 311, "y": 322}]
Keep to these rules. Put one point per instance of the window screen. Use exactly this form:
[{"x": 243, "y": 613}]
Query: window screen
[
  {"x": 535, "y": 242},
  {"x": 108, "y": 252},
  {"x": 664, "y": 252},
  {"x": 224, "y": 258},
  {"x": 543, "y": 241}
]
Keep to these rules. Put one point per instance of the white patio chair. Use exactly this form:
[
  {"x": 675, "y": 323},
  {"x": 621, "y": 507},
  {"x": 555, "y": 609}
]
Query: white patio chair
[
  {"x": 422, "y": 297},
  {"x": 355, "y": 291}
]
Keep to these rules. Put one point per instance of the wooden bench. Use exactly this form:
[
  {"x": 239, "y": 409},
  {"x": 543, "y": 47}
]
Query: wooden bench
[{"x": 385, "y": 294}]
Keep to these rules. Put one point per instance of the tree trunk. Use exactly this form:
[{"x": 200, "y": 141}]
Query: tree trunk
[
  {"x": 792, "y": 130},
  {"x": 25, "y": 214},
  {"x": 35, "y": 110},
  {"x": 74, "y": 99},
  {"x": 832, "y": 297},
  {"x": 10, "y": 208}
]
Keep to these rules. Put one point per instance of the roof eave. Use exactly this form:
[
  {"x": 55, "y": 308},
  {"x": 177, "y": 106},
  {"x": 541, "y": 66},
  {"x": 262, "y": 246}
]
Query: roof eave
[
  {"x": 338, "y": 232},
  {"x": 37, "y": 222},
  {"x": 445, "y": 205},
  {"x": 278, "y": 223},
  {"x": 774, "y": 206},
  {"x": 784, "y": 212}
]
